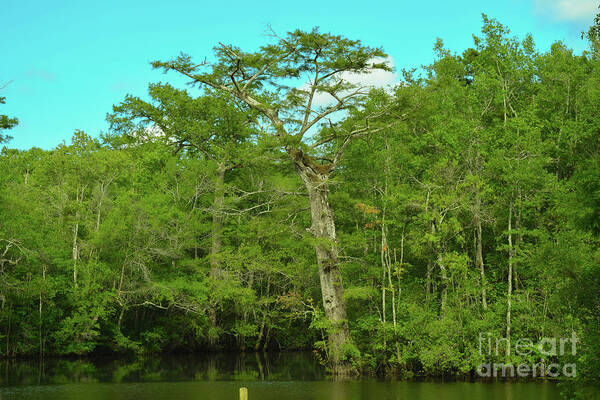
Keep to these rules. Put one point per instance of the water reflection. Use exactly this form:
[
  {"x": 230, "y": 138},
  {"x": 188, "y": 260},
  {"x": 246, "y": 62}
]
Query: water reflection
[
  {"x": 289, "y": 366},
  {"x": 273, "y": 376}
]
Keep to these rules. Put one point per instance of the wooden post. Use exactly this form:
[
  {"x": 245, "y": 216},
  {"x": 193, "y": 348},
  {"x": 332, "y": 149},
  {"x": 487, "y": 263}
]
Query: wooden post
[{"x": 243, "y": 393}]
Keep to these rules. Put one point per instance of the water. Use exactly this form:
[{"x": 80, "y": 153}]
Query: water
[{"x": 280, "y": 376}]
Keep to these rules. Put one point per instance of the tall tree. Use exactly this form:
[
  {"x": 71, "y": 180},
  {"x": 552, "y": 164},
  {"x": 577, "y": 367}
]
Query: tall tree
[
  {"x": 285, "y": 82},
  {"x": 211, "y": 127}
]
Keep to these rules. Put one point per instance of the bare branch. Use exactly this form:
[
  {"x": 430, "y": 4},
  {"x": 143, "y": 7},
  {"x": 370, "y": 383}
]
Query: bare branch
[
  {"x": 313, "y": 89},
  {"x": 340, "y": 103},
  {"x": 5, "y": 84},
  {"x": 362, "y": 132},
  {"x": 266, "y": 66}
]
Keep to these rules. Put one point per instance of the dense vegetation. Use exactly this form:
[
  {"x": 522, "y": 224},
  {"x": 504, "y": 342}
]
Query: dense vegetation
[{"x": 385, "y": 228}]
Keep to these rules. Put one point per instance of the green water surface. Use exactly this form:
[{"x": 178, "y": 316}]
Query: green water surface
[{"x": 278, "y": 376}]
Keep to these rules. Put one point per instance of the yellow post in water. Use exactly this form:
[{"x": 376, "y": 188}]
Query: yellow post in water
[{"x": 243, "y": 393}]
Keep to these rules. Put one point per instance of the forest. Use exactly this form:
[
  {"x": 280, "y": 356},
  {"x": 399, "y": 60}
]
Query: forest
[{"x": 273, "y": 204}]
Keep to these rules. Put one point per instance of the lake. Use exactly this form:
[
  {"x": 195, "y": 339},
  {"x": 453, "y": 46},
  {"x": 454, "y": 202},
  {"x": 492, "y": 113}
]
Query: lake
[{"x": 273, "y": 376}]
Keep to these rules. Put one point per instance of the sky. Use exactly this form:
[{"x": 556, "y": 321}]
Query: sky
[{"x": 65, "y": 63}]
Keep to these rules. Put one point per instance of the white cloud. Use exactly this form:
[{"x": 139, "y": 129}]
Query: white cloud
[
  {"x": 153, "y": 131},
  {"x": 376, "y": 78},
  {"x": 568, "y": 10}
]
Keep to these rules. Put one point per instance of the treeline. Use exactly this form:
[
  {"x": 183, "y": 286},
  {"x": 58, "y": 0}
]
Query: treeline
[{"x": 386, "y": 228}]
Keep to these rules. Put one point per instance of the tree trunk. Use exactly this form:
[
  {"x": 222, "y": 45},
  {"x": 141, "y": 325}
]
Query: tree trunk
[
  {"x": 509, "y": 278},
  {"x": 103, "y": 192},
  {"x": 75, "y": 237},
  {"x": 75, "y": 250},
  {"x": 479, "y": 247},
  {"x": 383, "y": 282},
  {"x": 41, "y": 320},
  {"x": 445, "y": 284},
  {"x": 261, "y": 333},
  {"x": 387, "y": 283},
  {"x": 518, "y": 239},
  {"x": 8, "y": 332},
  {"x": 261, "y": 370},
  {"x": 385, "y": 250},
  {"x": 120, "y": 320},
  {"x": 399, "y": 272},
  {"x": 391, "y": 285},
  {"x": 315, "y": 179},
  {"x": 217, "y": 231},
  {"x": 428, "y": 280}
]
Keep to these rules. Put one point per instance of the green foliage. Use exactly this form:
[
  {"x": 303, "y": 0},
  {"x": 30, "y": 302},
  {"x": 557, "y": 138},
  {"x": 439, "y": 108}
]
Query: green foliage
[
  {"x": 6, "y": 123},
  {"x": 186, "y": 228}
]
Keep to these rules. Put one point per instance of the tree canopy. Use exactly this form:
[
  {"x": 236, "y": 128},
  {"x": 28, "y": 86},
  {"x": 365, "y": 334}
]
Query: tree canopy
[{"x": 276, "y": 203}]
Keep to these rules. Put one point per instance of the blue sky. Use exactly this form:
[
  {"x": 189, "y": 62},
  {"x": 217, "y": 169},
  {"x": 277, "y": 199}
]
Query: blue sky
[{"x": 68, "y": 62}]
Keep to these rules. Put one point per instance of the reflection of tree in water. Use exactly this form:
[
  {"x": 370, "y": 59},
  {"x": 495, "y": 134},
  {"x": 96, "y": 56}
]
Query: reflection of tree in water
[
  {"x": 212, "y": 372},
  {"x": 33, "y": 372},
  {"x": 203, "y": 367},
  {"x": 337, "y": 391},
  {"x": 124, "y": 370}
]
